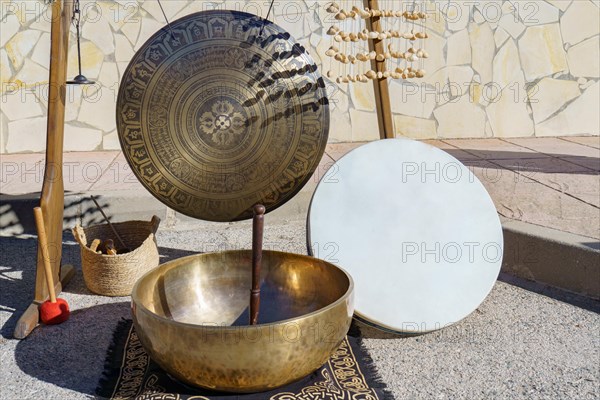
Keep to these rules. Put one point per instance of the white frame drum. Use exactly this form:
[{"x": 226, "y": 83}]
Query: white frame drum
[{"x": 414, "y": 227}]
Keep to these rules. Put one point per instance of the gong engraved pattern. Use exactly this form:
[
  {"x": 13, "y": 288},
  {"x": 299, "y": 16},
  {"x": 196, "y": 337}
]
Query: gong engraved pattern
[{"x": 215, "y": 117}]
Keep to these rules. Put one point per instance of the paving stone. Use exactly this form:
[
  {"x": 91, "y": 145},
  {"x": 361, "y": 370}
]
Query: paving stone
[
  {"x": 412, "y": 99},
  {"x": 459, "y": 48},
  {"x": 99, "y": 111},
  {"x": 363, "y": 97},
  {"x": 519, "y": 197},
  {"x": 507, "y": 68},
  {"x": 484, "y": 48},
  {"x": 512, "y": 25},
  {"x": 584, "y": 58},
  {"x": 343, "y": 128},
  {"x": 20, "y": 45},
  {"x": 556, "y": 147},
  {"x": 592, "y": 141},
  {"x": 21, "y": 174},
  {"x": 338, "y": 150},
  {"x": 560, "y": 175},
  {"x": 536, "y": 13},
  {"x": 9, "y": 27},
  {"x": 21, "y": 104},
  {"x": 580, "y": 117},
  {"x": 455, "y": 152},
  {"x": 414, "y": 128},
  {"x": 117, "y": 175},
  {"x": 541, "y": 51},
  {"x": 82, "y": 169},
  {"x": 560, "y": 4},
  {"x": 513, "y": 102},
  {"x": 550, "y": 95},
  {"x": 27, "y": 135},
  {"x": 460, "y": 119},
  {"x": 41, "y": 52},
  {"x": 580, "y": 21},
  {"x": 81, "y": 139},
  {"x": 97, "y": 29},
  {"x": 364, "y": 126},
  {"x": 493, "y": 149}
]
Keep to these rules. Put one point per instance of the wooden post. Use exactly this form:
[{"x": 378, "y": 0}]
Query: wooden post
[
  {"x": 382, "y": 93},
  {"x": 52, "y": 197}
]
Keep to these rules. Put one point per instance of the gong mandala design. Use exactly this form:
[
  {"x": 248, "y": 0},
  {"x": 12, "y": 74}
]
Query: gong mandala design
[
  {"x": 222, "y": 112},
  {"x": 223, "y": 124}
]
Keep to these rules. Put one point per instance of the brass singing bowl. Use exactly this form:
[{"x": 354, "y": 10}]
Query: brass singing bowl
[{"x": 191, "y": 315}]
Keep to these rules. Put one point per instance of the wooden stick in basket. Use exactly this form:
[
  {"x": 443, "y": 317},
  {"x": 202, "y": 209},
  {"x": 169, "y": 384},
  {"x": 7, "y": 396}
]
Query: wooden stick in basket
[
  {"x": 94, "y": 245},
  {"x": 108, "y": 222}
]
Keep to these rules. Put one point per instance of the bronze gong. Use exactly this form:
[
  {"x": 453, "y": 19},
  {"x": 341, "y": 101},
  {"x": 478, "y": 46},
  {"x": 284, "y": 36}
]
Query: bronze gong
[{"x": 222, "y": 111}]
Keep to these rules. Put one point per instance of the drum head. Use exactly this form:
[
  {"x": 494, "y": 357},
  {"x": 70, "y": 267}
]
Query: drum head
[
  {"x": 416, "y": 230},
  {"x": 221, "y": 111}
]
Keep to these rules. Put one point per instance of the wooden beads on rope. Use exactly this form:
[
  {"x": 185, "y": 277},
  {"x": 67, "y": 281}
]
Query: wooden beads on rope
[
  {"x": 341, "y": 36},
  {"x": 398, "y": 73},
  {"x": 356, "y": 13},
  {"x": 411, "y": 55}
]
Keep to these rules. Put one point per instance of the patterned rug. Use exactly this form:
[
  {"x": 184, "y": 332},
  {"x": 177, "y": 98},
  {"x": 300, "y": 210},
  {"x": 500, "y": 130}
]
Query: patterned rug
[{"x": 131, "y": 374}]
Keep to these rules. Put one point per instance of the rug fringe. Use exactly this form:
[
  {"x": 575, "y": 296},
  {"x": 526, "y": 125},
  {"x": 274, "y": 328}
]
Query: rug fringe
[
  {"x": 108, "y": 379},
  {"x": 368, "y": 365}
]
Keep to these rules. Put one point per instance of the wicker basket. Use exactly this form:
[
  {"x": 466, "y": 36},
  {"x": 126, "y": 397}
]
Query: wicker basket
[{"x": 115, "y": 275}]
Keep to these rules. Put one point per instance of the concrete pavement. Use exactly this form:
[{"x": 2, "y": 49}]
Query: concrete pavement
[
  {"x": 551, "y": 182},
  {"x": 526, "y": 341}
]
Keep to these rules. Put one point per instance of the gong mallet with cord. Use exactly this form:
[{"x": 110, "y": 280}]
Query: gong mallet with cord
[{"x": 53, "y": 311}]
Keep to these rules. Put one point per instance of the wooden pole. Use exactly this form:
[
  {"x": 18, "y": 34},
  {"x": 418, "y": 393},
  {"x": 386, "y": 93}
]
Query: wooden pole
[
  {"x": 43, "y": 243},
  {"x": 382, "y": 93},
  {"x": 52, "y": 197},
  {"x": 257, "y": 247}
]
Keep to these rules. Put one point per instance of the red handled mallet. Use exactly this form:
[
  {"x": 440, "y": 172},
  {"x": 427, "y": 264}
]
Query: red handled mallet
[{"x": 53, "y": 311}]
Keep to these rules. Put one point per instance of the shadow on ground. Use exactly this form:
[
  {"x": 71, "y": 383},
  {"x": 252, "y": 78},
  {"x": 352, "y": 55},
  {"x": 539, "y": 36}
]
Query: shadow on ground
[
  {"x": 530, "y": 162},
  {"x": 16, "y": 211},
  {"x": 72, "y": 355},
  {"x": 18, "y": 257},
  {"x": 564, "y": 296}
]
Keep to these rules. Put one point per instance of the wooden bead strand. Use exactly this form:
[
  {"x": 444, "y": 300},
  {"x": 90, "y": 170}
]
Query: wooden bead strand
[
  {"x": 403, "y": 33},
  {"x": 422, "y": 53},
  {"x": 342, "y": 13}
]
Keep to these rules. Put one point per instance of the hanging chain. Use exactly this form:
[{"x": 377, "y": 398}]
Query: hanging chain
[{"x": 76, "y": 18}]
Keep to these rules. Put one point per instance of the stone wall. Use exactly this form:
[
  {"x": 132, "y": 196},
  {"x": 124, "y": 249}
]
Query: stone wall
[{"x": 497, "y": 68}]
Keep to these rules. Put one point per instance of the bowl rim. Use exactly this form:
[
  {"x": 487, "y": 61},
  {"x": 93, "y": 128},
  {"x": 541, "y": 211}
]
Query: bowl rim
[{"x": 135, "y": 302}]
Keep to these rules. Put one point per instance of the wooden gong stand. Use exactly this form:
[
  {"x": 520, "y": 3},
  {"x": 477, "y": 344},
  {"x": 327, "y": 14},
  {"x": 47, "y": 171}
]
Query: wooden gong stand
[
  {"x": 52, "y": 198},
  {"x": 382, "y": 93}
]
